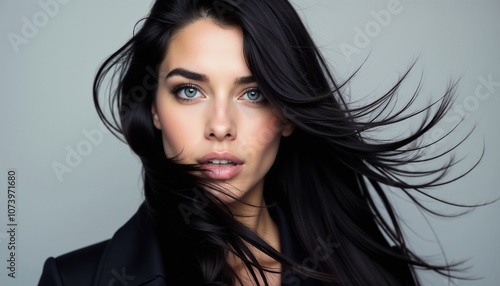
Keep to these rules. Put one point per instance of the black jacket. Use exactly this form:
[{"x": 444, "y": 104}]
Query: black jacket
[{"x": 133, "y": 257}]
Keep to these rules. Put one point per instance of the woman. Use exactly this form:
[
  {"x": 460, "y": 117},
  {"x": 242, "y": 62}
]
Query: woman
[{"x": 256, "y": 169}]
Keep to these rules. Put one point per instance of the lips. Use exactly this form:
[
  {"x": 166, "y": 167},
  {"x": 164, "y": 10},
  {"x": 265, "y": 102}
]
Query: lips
[{"x": 221, "y": 165}]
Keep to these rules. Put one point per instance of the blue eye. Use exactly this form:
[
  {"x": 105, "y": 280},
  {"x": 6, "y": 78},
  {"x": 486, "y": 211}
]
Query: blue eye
[
  {"x": 186, "y": 92},
  {"x": 189, "y": 92},
  {"x": 254, "y": 96}
]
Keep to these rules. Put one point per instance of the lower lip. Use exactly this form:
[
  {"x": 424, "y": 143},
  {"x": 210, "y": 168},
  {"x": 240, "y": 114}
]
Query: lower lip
[{"x": 221, "y": 172}]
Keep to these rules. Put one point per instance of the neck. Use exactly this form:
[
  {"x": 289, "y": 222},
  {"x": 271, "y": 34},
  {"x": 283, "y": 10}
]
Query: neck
[
  {"x": 252, "y": 212},
  {"x": 254, "y": 215},
  {"x": 257, "y": 218}
]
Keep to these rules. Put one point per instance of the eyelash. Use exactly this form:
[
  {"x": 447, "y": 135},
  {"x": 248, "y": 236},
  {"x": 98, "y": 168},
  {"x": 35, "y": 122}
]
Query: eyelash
[
  {"x": 175, "y": 91},
  {"x": 263, "y": 101}
]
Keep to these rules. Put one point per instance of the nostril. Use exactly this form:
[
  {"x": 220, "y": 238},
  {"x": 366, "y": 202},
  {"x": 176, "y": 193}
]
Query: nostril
[{"x": 213, "y": 135}]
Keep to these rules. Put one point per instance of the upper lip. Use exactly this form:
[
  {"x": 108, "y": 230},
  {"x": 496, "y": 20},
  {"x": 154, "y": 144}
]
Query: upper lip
[{"x": 220, "y": 156}]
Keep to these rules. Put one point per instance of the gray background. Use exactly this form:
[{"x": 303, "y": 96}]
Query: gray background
[{"x": 46, "y": 110}]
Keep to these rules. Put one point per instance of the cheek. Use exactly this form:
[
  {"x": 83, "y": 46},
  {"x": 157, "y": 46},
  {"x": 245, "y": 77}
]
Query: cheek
[
  {"x": 180, "y": 133},
  {"x": 262, "y": 141}
]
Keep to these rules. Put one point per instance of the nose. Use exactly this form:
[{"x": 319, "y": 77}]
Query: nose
[{"x": 221, "y": 125}]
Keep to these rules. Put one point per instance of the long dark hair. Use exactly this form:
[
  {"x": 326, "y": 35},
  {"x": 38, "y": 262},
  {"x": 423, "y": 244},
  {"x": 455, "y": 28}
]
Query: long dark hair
[{"x": 327, "y": 176}]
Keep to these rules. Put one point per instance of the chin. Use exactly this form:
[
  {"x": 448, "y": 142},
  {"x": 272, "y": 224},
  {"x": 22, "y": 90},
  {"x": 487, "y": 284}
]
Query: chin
[{"x": 224, "y": 195}]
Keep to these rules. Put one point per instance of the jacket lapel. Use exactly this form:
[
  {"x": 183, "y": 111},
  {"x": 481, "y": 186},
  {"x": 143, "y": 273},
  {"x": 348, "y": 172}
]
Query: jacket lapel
[{"x": 133, "y": 255}]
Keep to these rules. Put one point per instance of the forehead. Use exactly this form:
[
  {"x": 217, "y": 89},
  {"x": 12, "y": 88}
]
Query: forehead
[{"x": 205, "y": 46}]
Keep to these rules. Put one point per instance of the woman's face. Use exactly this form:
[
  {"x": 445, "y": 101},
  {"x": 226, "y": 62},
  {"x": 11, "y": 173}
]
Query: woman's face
[{"x": 211, "y": 112}]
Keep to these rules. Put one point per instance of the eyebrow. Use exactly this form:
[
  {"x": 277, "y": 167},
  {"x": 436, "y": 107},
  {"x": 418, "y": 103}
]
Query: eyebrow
[{"x": 204, "y": 78}]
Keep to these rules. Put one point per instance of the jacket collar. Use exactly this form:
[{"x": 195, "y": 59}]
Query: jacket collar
[{"x": 133, "y": 255}]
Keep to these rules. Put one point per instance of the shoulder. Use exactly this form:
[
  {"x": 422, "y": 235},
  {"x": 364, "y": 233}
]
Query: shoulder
[
  {"x": 74, "y": 268},
  {"x": 132, "y": 256}
]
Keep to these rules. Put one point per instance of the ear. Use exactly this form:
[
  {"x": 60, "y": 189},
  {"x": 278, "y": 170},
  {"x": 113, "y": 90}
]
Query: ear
[
  {"x": 156, "y": 119},
  {"x": 287, "y": 128}
]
